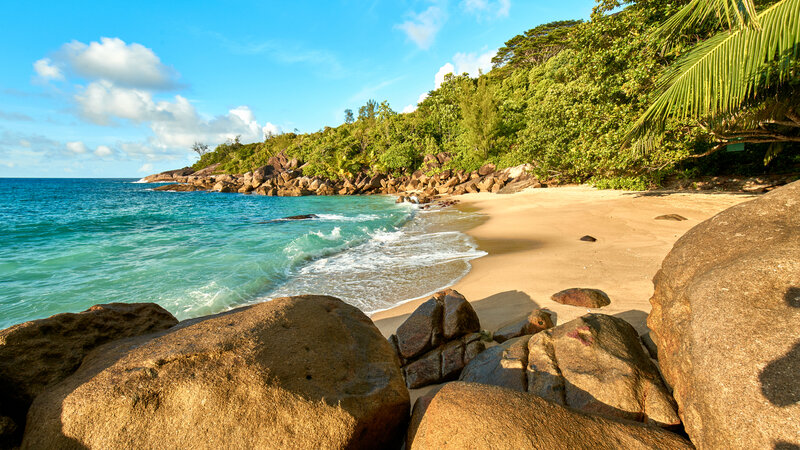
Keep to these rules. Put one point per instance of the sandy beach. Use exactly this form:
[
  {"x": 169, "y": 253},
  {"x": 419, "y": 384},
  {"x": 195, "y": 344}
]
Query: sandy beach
[{"x": 534, "y": 250}]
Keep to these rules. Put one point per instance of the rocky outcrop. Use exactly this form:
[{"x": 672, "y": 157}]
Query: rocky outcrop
[
  {"x": 299, "y": 372},
  {"x": 177, "y": 176},
  {"x": 438, "y": 339},
  {"x": 283, "y": 176},
  {"x": 538, "y": 320},
  {"x": 725, "y": 316},
  {"x": 583, "y": 297},
  {"x": 40, "y": 353},
  {"x": 468, "y": 415},
  {"x": 595, "y": 363}
]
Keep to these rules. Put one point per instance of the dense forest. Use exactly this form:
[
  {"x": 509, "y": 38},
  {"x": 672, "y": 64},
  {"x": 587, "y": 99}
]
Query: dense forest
[{"x": 563, "y": 97}]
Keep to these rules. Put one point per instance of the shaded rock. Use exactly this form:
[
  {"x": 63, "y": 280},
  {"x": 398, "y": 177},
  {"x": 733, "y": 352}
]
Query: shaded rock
[
  {"x": 588, "y": 238},
  {"x": 673, "y": 217},
  {"x": 40, "y": 353},
  {"x": 8, "y": 432},
  {"x": 583, "y": 297},
  {"x": 502, "y": 365},
  {"x": 538, "y": 320},
  {"x": 301, "y": 372},
  {"x": 595, "y": 364},
  {"x": 459, "y": 316},
  {"x": 604, "y": 370},
  {"x": 425, "y": 370},
  {"x": 438, "y": 339},
  {"x": 725, "y": 315},
  {"x": 442, "y": 363},
  {"x": 467, "y": 415},
  {"x": 486, "y": 169},
  {"x": 422, "y": 330},
  {"x": 178, "y": 188},
  {"x": 301, "y": 217},
  {"x": 650, "y": 344}
]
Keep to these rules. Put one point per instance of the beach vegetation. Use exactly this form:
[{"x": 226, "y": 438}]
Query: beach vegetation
[{"x": 565, "y": 97}]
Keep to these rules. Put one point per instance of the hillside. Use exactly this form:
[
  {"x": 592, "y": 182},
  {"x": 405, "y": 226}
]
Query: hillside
[{"x": 561, "y": 97}]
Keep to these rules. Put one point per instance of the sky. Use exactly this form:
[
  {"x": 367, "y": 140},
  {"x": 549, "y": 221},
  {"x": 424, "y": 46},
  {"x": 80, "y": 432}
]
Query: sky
[{"x": 123, "y": 89}]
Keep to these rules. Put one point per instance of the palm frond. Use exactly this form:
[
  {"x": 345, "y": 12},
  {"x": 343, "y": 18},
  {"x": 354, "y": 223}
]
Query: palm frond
[
  {"x": 732, "y": 14},
  {"x": 722, "y": 73}
]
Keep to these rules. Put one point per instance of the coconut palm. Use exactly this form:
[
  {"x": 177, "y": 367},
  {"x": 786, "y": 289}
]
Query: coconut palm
[{"x": 715, "y": 80}]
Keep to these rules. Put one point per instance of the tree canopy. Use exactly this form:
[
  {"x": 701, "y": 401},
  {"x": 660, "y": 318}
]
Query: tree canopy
[{"x": 563, "y": 97}]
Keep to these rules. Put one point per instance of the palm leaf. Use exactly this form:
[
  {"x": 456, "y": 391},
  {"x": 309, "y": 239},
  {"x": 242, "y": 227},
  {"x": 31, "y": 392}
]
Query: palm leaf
[
  {"x": 722, "y": 73},
  {"x": 731, "y": 13}
]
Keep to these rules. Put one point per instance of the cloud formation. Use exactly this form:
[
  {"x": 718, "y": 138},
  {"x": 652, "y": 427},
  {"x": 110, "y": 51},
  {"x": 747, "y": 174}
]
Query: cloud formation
[
  {"x": 487, "y": 8},
  {"x": 111, "y": 59},
  {"x": 123, "y": 81},
  {"x": 175, "y": 123},
  {"x": 78, "y": 148},
  {"x": 46, "y": 70},
  {"x": 423, "y": 27}
]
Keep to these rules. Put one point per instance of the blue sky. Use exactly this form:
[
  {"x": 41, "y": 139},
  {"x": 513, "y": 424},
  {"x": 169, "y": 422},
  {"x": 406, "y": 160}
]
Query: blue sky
[{"x": 103, "y": 89}]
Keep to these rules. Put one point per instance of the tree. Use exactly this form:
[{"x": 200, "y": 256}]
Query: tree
[
  {"x": 368, "y": 111},
  {"x": 534, "y": 47},
  {"x": 734, "y": 70},
  {"x": 200, "y": 148},
  {"x": 348, "y": 116},
  {"x": 480, "y": 117}
]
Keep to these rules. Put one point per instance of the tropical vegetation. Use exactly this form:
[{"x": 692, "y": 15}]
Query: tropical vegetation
[{"x": 643, "y": 90}]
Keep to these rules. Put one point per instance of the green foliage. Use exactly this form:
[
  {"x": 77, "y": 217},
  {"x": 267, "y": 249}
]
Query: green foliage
[
  {"x": 719, "y": 76},
  {"x": 534, "y": 47},
  {"x": 561, "y": 96}
]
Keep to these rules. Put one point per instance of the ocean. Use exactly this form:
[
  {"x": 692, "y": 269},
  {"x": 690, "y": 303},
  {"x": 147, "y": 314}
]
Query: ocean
[{"x": 68, "y": 244}]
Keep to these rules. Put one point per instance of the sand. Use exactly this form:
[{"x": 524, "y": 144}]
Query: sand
[{"x": 534, "y": 250}]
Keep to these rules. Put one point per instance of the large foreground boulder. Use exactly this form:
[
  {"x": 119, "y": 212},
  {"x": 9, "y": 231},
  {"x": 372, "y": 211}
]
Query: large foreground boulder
[
  {"x": 468, "y": 415},
  {"x": 39, "y": 353},
  {"x": 595, "y": 363},
  {"x": 299, "y": 372},
  {"x": 726, "y": 310}
]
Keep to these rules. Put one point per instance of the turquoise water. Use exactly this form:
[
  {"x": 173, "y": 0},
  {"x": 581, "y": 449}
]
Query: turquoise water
[{"x": 67, "y": 244}]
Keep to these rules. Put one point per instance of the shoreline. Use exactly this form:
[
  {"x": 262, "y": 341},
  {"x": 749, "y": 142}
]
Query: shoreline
[{"x": 532, "y": 240}]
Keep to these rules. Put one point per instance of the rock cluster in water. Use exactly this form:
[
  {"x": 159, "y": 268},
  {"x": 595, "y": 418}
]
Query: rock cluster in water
[{"x": 284, "y": 177}]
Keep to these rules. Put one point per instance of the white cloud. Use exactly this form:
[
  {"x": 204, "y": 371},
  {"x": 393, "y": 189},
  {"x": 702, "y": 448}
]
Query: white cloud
[
  {"x": 111, "y": 59},
  {"x": 121, "y": 85},
  {"x": 103, "y": 151},
  {"x": 423, "y": 27},
  {"x": 175, "y": 124},
  {"x": 101, "y": 101},
  {"x": 487, "y": 8},
  {"x": 270, "y": 129},
  {"x": 444, "y": 70},
  {"x": 77, "y": 148},
  {"x": 146, "y": 168},
  {"x": 409, "y": 109},
  {"x": 46, "y": 70},
  {"x": 473, "y": 63}
]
